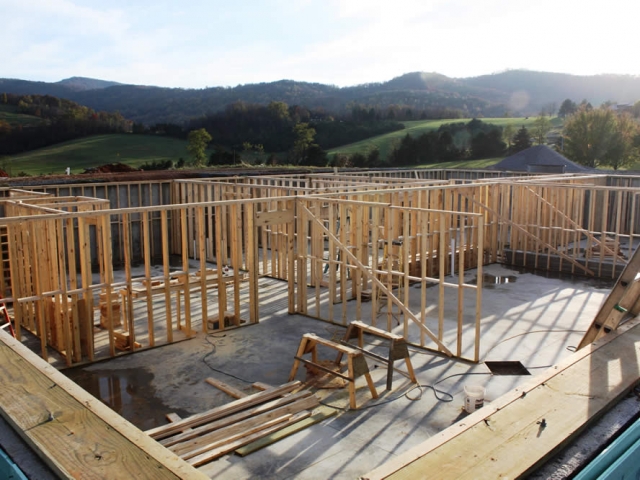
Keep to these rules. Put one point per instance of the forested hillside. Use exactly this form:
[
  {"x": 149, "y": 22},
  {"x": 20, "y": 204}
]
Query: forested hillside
[
  {"x": 425, "y": 95},
  {"x": 28, "y": 122}
]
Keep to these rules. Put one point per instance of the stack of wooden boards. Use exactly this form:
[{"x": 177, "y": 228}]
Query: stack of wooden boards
[{"x": 206, "y": 436}]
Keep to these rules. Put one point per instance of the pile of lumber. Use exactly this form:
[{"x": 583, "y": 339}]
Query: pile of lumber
[
  {"x": 608, "y": 247},
  {"x": 206, "y": 436}
]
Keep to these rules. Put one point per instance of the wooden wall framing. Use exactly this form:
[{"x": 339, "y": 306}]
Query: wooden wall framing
[{"x": 127, "y": 252}]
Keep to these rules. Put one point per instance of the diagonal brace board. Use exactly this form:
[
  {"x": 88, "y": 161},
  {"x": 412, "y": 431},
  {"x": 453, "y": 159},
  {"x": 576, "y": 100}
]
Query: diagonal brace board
[
  {"x": 366, "y": 271},
  {"x": 527, "y": 233},
  {"x": 575, "y": 225}
]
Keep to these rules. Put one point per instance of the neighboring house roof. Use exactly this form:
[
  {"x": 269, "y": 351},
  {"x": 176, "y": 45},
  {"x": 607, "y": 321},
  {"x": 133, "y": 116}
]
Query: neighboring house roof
[{"x": 539, "y": 159}]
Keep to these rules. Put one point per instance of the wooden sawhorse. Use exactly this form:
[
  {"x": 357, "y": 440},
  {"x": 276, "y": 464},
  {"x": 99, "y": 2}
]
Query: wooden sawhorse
[
  {"x": 397, "y": 348},
  {"x": 356, "y": 363}
]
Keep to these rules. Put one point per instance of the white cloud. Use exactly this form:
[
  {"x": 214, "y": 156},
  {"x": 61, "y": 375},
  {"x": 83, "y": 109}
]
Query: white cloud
[{"x": 346, "y": 41}]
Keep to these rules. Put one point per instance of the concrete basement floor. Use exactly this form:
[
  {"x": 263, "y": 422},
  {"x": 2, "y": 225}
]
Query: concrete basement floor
[{"x": 531, "y": 319}]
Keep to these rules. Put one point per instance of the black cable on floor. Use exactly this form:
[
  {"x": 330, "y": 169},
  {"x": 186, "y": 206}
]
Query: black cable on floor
[
  {"x": 440, "y": 395},
  {"x": 213, "y": 350}
]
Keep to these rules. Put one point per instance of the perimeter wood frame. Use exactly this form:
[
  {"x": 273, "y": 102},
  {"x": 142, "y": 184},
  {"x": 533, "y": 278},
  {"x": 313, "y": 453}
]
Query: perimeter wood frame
[{"x": 287, "y": 227}]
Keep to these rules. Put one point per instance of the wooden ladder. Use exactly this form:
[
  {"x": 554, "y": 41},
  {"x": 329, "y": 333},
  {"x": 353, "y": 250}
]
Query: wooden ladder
[
  {"x": 624, "y": 299},
  {"x": 397, "y": 348},
  {"x": 356, "y": 363}
]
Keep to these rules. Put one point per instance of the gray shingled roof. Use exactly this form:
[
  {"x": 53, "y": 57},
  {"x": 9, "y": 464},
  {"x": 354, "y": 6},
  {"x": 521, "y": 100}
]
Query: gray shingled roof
[{"x": 539, "y": 156}]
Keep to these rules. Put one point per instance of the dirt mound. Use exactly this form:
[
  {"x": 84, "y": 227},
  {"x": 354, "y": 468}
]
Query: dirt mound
[
  {"x": 3, "y": 173},
  {"x": 112, "y": 168}
]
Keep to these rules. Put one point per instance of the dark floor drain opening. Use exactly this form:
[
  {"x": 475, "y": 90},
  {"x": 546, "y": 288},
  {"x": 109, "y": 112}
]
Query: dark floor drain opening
[{"x": 507, "y": 368}]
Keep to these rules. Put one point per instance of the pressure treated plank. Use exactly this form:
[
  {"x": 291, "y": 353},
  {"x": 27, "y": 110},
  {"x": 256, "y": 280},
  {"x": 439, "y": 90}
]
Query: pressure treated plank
[
  {"x": 219, "y": 412},
  {"x": 230, "y": 446},
  {"x": 74, "y": 433},
  {"x": 285, "y": 432},
  {"x": 186, "y": 449},
  {"x": 507, "y": 438},
  {"x": 231, "y": 419}
]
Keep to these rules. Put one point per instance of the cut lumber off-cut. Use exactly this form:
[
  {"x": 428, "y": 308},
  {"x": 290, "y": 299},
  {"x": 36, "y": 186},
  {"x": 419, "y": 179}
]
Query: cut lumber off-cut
[
  {"x": 206, "y": 436},
  {"x": 226, "y": 388}
]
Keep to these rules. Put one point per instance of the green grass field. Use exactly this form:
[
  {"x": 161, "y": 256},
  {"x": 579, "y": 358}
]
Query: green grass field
[
  {"x": 133, "y": 150},
  {"x": 10, "y": 114},
  {"x": 386, "y": 142}
]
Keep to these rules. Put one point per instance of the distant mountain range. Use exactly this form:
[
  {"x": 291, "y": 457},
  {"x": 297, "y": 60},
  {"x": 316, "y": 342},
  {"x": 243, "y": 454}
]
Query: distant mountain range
[{"x": 520, "y": 92}]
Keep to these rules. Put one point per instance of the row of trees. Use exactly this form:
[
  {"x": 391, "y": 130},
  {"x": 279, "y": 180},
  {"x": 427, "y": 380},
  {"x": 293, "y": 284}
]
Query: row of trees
[
  {"x": 260, "y": 131},
  {"x": 569, "y": 107},
  {"x": 304, "y": 150},
  {"x": 453, "y": 141},
  {"x": 273, "y": 126}
]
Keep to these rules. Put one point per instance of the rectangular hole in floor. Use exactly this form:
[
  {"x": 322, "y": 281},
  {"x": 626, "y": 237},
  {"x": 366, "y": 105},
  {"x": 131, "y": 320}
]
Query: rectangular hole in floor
[{"x": 507, "y": 368}]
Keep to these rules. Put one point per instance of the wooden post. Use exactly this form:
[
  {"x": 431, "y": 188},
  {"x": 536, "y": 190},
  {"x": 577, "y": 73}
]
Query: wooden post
[
  {"x": 167, "y": 278},
  {"x": 146, "y": 234}
]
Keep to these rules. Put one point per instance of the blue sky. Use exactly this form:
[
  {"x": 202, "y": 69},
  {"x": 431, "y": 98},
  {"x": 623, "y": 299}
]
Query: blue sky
[{"x": 195, "y": 44}]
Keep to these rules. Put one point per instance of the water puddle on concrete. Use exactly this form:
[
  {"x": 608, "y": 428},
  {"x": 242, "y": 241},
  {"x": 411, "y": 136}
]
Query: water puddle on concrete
[
  {"x": 128, "y": 392},
  {"x": 490, "y": 281},
  {"x": 590, "y": 282}
]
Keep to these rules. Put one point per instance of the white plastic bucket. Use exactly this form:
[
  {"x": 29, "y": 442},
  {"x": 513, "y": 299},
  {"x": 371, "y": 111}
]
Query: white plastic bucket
[{"x": 473, "y": 398}]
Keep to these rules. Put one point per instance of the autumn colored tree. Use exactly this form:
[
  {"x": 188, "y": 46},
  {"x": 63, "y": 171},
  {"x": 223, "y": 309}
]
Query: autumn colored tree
[{"x": 600, "y": 137}]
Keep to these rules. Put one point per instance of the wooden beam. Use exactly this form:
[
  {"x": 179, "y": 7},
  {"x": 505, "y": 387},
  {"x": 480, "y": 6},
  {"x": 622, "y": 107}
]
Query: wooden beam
[
  {"x": 188, "y": 433},
  {"x": 226, "y": 388},
  {"x": 200, "y": 444},
  {"x": 72, "y": 431},
  {"x": 508, "y": 438},
  {"x": 230, "y": 445},
  {"x": 219, "y": 412}
]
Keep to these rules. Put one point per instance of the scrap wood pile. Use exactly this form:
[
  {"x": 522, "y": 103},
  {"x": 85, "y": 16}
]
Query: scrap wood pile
[{"x": 206, "y": 436}]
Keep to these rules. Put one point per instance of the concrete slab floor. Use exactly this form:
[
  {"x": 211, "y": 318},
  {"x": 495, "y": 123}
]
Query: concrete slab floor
[{"x": 532, "y": 319}]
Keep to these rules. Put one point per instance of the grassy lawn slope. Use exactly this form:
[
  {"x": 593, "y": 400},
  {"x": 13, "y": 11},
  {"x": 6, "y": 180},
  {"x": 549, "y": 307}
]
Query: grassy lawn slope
[
  {"x": 97, "y": 150},
  {"x": 416, "y": 128},
  {"x": 9, "y": 114}
]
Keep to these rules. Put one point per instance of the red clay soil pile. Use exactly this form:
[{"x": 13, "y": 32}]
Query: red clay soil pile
[
  {"x": 3, "y": 173},
  {"x": 112, "y": 168}
]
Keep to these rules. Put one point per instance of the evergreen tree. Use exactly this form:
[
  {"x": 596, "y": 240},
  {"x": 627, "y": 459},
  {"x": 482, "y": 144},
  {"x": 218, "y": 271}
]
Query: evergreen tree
[
  {"x": 521, "y": 141},
  {"x": 567, "y": 108}
]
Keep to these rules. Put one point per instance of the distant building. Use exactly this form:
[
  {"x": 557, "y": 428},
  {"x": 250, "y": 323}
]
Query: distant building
[
  {"x": 623, "y": 108},
  {"x": 539, "y": 159}
]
